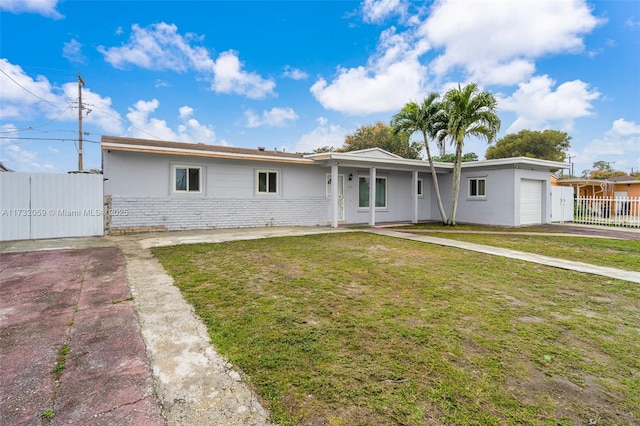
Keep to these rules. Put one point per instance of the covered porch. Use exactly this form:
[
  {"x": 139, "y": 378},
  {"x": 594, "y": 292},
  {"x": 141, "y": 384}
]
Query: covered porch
[{"x": 373, "y": 186}]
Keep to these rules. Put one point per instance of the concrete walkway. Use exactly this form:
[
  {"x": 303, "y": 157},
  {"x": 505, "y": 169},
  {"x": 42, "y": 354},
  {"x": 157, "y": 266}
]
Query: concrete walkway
[
  {"x": 195, "y": 385},
  {"x": 520, "y": 255}
]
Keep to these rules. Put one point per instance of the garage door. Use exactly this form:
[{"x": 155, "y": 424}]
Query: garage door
[{"x": 530, "y": 202}]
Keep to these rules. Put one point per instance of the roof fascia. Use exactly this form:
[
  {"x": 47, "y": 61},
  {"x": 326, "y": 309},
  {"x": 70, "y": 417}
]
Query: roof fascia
[{"x": 201, "y": 153}]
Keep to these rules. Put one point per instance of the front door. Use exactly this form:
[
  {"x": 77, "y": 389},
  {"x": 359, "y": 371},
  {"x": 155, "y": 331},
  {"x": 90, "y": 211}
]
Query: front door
[{"x": 340, "y": 197}]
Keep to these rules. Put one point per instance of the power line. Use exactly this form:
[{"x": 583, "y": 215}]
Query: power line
[
  {"x": 47, "y": 139},
  {"x": 27, "y": 90},
  {"x": 122, "y": 121}
]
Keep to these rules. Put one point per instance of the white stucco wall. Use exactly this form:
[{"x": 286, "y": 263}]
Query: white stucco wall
[
  {"x": 142, "y": 186},
  {"x": 399, "y": 197},
  {"x": 501, "y": 206}
]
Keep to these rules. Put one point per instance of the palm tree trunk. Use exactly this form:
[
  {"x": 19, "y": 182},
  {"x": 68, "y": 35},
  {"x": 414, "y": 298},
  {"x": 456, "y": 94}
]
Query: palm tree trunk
[
  {"x": 434, "y": 177},
  {"x": 456, "y": 182}
]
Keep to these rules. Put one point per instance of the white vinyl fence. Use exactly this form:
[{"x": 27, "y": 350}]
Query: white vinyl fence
[
  {"x": 39, "y": 205},
  {"x": 616, "y": 211}
]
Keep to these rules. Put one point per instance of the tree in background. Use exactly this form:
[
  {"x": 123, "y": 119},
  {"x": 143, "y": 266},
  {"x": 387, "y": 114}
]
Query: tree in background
[
  {"x": 451, "y": 158},
  {"x": 469, "y": 112},
  {"x": 546, "y": 145},
  {"x": 324, "y": 149},
  {"x": 380, "y": 135},
  {"x": 427, "y": 119},
  {"x": 601, "y": 170}
]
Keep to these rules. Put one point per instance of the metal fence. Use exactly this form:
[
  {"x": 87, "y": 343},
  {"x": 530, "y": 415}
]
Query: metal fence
[
  {"x": 37, "y": 205},
  {"x": 615, "y": 211}
]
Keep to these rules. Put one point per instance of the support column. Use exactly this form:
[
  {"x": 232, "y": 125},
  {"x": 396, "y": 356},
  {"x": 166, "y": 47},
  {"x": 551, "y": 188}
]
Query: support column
[
  {"x": 334, "y": 195},
  {"x": 372, "y": 196},
  {"x": 414, "y": 185}
]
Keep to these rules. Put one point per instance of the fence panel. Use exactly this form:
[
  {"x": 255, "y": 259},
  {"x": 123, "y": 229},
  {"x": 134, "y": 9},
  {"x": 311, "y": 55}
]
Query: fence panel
[
  {"x": 35, "y": 206},
  {"x": 615, "y": 211}
]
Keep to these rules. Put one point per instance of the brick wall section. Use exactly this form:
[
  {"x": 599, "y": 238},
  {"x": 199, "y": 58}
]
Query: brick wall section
[{"x": 136, "y": 214}]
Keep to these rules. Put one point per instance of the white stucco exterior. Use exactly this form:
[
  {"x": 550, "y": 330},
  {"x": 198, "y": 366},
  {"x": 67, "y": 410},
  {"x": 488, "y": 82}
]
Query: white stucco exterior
[{"x": 314, "y": 190}]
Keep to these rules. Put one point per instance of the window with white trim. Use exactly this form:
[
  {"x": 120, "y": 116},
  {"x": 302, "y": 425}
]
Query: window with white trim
[
  {"x": 267, "y": 181},
  {"x": 420, "y": 187},
  {"x": 187, "y": 179},
  {"x": 381, "y": 192},
  {"x": 477, "y": 188}
]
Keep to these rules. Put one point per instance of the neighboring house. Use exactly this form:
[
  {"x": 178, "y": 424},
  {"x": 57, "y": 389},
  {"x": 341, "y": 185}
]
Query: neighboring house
[
  {"x": 154, "y": 185},
  {"x": 619, "y": 186},
  {"x": 621, "y": 191}
]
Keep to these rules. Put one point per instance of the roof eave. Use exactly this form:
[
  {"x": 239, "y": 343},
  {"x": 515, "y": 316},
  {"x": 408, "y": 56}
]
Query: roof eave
[{"x": 202, "y": 153}]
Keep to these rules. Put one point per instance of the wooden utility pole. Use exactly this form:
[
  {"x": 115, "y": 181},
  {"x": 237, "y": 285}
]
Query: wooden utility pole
[{"x": 80, "y": 84}]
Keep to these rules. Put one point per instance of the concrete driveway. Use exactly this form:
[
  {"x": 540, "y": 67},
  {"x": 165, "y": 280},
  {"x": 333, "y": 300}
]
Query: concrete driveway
[{"x": 71, "y": 351}]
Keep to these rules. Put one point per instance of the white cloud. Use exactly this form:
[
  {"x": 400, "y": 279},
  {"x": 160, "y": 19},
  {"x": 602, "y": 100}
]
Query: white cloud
[
  {"x": 376, "y": 11},
  {"x": 620, "y": 144},
  {"x": 159, "y": 47},
  {"x": 538, "y": 106},
  {"x": 497, "y": 42},
  {"x": 143, "y": 125},
  {"x": 324, "y": 135},
  {"x": 43, "y": 7},
  {"x": 185, "y": 112},
  {"x": 161, "y": 83},
  {"x": 72, "y": 50},
  {"x": 230, "y": 78},
  {"x": 294, "y": 73},
  {"x": 275, "y": 117},
  {"x": 191, "y": 130},
  {"x": 392, "y": 77},
  {"x": 25, "y": 98},
  {"x": 15, "y": 156},
  {"x": 632, "y": 23},
  {"x": 622, "y": 127}
]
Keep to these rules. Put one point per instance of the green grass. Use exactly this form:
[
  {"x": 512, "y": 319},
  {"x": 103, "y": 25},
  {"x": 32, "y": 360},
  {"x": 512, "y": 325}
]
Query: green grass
[
  {"x": 621, "y": 254},
  {"x": 359, "y": 329},
  {"x": 48, "y": 413},
  {"x": 61, "y": 361}
]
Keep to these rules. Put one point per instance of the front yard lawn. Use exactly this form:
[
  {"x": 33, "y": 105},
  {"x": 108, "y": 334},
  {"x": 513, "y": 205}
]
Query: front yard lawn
[
  {"x": 361, "y": 329},
  {"x": 620, "y": 254}
]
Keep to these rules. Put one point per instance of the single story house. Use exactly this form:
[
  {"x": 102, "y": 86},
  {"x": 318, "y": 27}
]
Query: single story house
[
  {"x": 157, "y": 185},
  {"x": 619, "y": 186}
]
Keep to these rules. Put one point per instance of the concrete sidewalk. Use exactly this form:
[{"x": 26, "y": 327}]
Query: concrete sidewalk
[{"x": 514, "y": 254}]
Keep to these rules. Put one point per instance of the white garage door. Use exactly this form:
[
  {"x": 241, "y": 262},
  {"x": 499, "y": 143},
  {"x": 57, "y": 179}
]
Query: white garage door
[{"x": 530, "y": 202}]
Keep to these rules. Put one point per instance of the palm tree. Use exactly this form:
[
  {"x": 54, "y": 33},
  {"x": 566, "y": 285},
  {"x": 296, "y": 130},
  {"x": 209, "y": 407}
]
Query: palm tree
[
  {"x": 471, "y": 112},
  {"x": 426, "y": 119}
]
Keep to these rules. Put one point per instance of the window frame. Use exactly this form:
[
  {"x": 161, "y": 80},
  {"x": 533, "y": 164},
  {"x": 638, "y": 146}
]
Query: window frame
[
  {"x": 477, "y": 195},
  {"x": 276, "y": 182},
  {"x": 386, "y": 193},
  {"x": 420, "y": 190},
  {"x": 186, "y": 167}
]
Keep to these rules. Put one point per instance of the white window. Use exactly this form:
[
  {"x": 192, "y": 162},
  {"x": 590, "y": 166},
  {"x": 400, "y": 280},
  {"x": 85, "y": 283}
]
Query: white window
[
  {"x": 420, "y": 185},
  {"x": 381, "y": 192},
  {"x": 477, "y": 188},
  {"x": 267, "y": 182},
  {"x": 187, "y": 179}
]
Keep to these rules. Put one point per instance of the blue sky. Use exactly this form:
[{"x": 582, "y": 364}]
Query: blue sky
[{"x": 298, "y": 75}]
